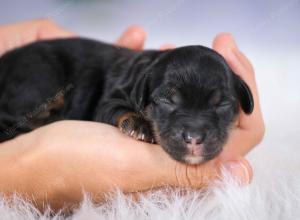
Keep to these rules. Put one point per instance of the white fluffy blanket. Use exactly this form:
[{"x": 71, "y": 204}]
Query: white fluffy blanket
[{"x": 274, "y": 194}]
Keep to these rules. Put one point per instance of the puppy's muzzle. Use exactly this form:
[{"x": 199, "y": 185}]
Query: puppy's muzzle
[{"x": 194, "y": 143}]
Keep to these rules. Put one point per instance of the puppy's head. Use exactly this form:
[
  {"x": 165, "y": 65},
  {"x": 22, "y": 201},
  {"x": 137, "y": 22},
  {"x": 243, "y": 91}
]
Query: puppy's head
[{"x": 194, "y": 101}]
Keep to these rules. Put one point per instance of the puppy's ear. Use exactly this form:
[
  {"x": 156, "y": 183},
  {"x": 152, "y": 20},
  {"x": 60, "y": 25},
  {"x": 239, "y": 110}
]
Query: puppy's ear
[
  {"x": 140, "y": 92},
  {"x": 244, "y": 94}
]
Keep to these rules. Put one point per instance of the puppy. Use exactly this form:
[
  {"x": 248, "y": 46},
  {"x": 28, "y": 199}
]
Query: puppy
[{"x": 185, "y": 99}]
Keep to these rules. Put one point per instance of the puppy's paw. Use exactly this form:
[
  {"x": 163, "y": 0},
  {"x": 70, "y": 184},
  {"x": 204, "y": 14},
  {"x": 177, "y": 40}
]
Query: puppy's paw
[{"x": 137, "y": 127}]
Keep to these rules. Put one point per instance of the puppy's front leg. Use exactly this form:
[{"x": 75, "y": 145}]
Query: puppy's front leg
[
  {"x": 136, "y": 126},
  {"x": 120, "y": 114}
]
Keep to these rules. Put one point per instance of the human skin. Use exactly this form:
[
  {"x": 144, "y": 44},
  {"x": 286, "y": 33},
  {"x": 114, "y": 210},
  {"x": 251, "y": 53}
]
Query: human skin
[{"x": 57, "y": 162}]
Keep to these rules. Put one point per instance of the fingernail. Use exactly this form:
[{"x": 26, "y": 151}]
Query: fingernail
[
  {"x": 234, "y": 55},
  {"x": 239, "y": 171}
]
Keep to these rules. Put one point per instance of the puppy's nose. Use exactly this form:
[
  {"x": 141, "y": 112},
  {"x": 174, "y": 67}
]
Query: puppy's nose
[{"x": 191, "y": 138}]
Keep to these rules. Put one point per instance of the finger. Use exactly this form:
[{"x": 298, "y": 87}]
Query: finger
[
  {"x": 133, "y": 38},
  {"x": 199, "y": 176},
  {"x": 226, "y": 46},
  {"x": 47, "y": 29},
  {"x": 167, "y": 46},
  {"x": 240, "y": 170},
  {"x": 240, "y": 142},
  {"x": 19, "y": 34},
  {"x": 250, "y": 130}
]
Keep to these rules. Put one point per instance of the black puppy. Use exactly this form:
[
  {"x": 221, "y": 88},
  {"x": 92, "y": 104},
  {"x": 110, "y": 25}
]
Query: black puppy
[{"x": 185, "y": 99}]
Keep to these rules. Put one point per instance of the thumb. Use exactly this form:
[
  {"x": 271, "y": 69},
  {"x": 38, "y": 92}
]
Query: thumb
[{"x": 202, "y": 175}]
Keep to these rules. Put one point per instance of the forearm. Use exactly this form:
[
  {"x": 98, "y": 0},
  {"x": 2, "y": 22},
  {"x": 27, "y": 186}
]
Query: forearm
[
  {"x": 16, "y": 160},
  {"x": 27, "y": 170},
  {"x": 22, "y": 172},
  {"x": 46, "y": 168}
]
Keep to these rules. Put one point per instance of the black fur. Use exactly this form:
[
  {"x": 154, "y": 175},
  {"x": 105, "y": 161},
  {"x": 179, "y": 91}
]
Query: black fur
[{"x": 151, "y": 95}]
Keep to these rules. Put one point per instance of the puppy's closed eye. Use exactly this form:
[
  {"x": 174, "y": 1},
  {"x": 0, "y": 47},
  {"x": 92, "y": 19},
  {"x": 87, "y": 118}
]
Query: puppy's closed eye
[
  {"x": 169, "y": 98},
  {"x": 224, "y": 104},
  {"x": 218, "y": 100},
  {"x": 215, "y": 98},
  {"x": 223, "y": 107},
  {"x": 164, "y": 103}
]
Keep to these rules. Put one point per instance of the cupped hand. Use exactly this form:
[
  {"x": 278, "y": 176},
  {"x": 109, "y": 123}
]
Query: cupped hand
[
  {"x": 250, "y": 128},
  {"x": 19, "y": 34},
  {"x": 58, "y": 161},
  {"x": 22, "y": 33}
]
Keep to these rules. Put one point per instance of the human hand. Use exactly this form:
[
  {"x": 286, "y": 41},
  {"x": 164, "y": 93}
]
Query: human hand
[
  {"x": 22, "y": 33},
  {"x": 57, "y": 162},
  {"x": 19, "y": 34},
  {"x": 60, "y": 160},
  {"x": 250, "y": 128}
]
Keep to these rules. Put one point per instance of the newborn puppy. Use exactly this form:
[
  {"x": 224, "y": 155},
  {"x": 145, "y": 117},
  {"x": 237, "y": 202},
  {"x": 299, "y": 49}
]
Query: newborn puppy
[{"x": 185, "y": 99}]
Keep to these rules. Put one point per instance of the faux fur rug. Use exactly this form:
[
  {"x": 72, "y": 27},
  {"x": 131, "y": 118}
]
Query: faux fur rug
[{"x": 273, "y": 194}]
